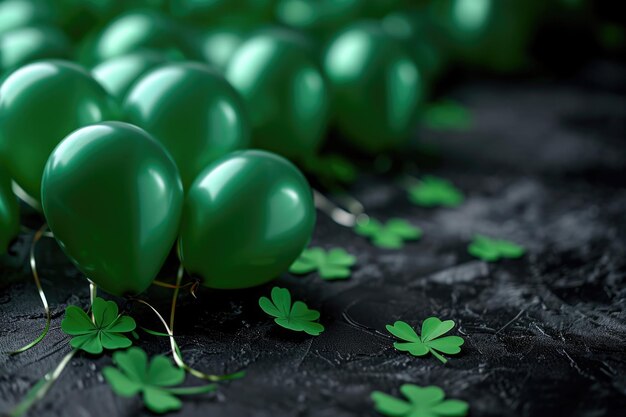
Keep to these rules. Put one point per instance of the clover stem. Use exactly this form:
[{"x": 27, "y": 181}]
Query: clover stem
[
  {"x": 438, "y": 356},
  {"x": 39, "y": 390},
  {"x": 33, "y": 266},
  {"x": 191, "y": 390},
  {"x": 93, "y": 292},
  {"x": 347, "y": 218},
  {"x": 176, "y": 354}
]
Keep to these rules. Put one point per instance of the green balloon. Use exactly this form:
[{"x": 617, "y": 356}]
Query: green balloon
[
  {"x": 246, "y": 218},
  {"x": 117, "y": 75},
  {"x": 9, "y": 212},
  {"x": 40, "y": 104},
  {"x": 415, "y": 33},
  {"x": 18, "y": 13},
  {"x": 27, "y": 44},
  {"x": 217, "y": 45},
  {"x": 320, "y": 17},
  {"x": 113, "y": 198},
  {"x": 132, "y": 32},
  {"x": 222, "y": 11},
  {"x": 377, "y": 87},
  {"x": 489, "y": 34},
  {"x": 192, "y": 111},
  {"x": 285, "y": 93}
]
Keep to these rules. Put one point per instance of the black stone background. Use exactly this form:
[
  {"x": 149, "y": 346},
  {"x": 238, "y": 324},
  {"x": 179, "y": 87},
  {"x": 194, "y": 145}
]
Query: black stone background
[{"x": 544, "y": 165}]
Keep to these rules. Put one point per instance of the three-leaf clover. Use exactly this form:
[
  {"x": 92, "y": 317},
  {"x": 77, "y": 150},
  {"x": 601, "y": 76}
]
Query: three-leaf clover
[
  {"x": 447, "y": 115},
  {"x": 104, "y": 331},
  {"x": 422, "y": 402},
  {"x": 297, "y": 317},
  {"x": 491, "y": 250},
  {"x": 429, "y": 341},
  {"x": 334, "y": 264},
  {"x": 390, "y": 235},
  {"x": 134, "y": 375},
  {"x": 434, "y": 191}
]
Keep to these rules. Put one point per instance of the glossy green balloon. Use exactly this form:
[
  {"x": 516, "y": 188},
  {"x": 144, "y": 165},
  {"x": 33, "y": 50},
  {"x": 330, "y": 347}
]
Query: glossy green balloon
[
  {"x": 415, "y": 33},
  {"x": 40, "y": 104},
  {"x": 223, "y": 11},
  {"x": 217, "y": 45},
  {"x": 27, "y": 44},
  {"x": 246, "y": 218},
  {"x": 377, "y": 87},
  {"x": 113, "y": 198},
  {"x": 19, "y": 13},
  {"x": 9, "y": 212},
  {"x": 117, "y": 75},
  {"x": 132, "y": 32},
  {"x": 285, "y": 93},
  {"x": 321, "y": 17},
  {"x": 489, "y": 34},
  {"x": 192, "y": 111}
]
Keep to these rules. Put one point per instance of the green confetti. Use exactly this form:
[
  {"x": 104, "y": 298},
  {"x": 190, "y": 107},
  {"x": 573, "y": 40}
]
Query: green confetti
[
  {"x": 492, "y": 250},
  {"x": 447, "y": 115},
  {"x": 429, "y": 341},
  {"x": 390, "y": 235},
  {"x": 332, "y": 265},
  {"x": 297, "y": 317},
  {"x": 135, "y": 374},
  {"x": 433, "y": 192},
  {"x": 104, "y": 331},
  {"x": 422, "y": 402}
]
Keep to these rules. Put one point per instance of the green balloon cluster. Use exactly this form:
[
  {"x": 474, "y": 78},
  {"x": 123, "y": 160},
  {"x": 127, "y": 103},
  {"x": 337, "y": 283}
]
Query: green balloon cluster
[{"x": 9, "y": 213}]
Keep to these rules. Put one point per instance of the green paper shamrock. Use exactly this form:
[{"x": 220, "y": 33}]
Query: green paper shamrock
[
  {"x": 491, "y": 250},
  {"x": 423, "y": 402},
  {"x": 331, "y": 265},
  {"x": 447, "y": 115},
  {"x": 134, "y": 375},
  {"x": 390, "y": 235},
  {"x": 433, "y": 191},
  {"x": 297, "y": 317},
  {"x": 429, "y": 341},
  {"x": 103, "y": 332}
]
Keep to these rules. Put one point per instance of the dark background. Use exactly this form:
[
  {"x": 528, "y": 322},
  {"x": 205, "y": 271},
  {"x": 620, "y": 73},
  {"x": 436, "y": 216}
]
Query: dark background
[{"x": 544, "y": 165}]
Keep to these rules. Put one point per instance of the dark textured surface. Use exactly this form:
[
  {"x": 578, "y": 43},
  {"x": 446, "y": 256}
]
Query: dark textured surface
[{"x": 544, "y": 165}]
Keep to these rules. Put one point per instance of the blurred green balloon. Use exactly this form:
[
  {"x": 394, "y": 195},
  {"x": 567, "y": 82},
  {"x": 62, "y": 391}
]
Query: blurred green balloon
[
  {"x": 113, "y": 198},
  {"x": 320, "y": 17},
  {"x": 192, "y": 111},
  {"x": 19, "y": 13},
  {"x": 216, "y": 45},
  {"x": 377, "y": 87},
  {"x": 133, "y": 32},
  {"x": 223, "y": 11},
  {"x": 40, "y": 104},
  {"x": 117, "y": 75},
  {"x": 246, "y": 218},
  {"x": 24, "y": 45},
  {"x": 414, "y": 31},
  {"x": 9, "y": 212},
  {"x": 284, "y": 91},
  {"x": 488, "y": 34}
]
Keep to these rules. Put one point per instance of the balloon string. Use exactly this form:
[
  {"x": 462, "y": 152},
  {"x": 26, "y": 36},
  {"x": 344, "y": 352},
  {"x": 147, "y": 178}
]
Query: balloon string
[
  {"x": 178, "y": 357},
  {"x": 42, "y": 295},
  {"x": 39, "y": 390},
  {"x": 348, "y": 218},
  {"x": 179, "y": 278},
  {"x": 93, "y": 293}
]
